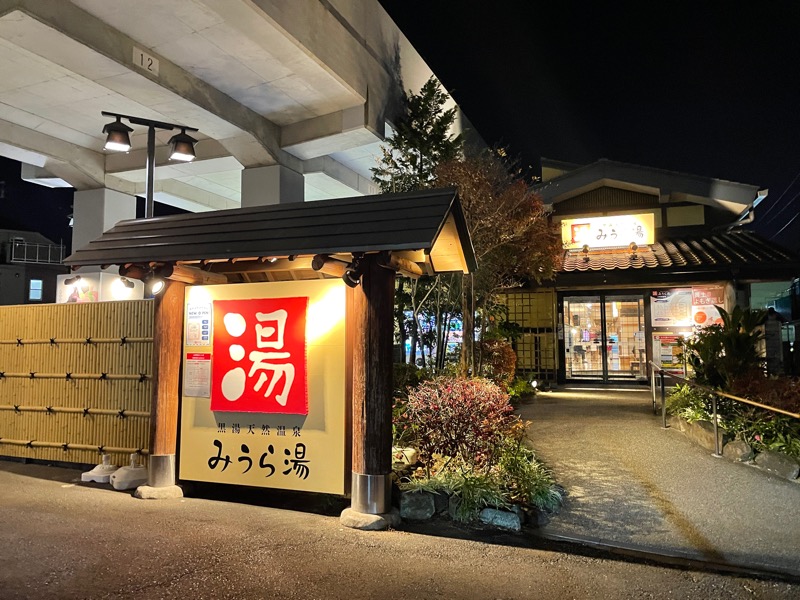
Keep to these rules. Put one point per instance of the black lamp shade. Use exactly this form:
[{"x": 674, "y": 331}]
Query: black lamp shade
[
  {"x": 117, "y": 136},
  {"x": 182, "y": 146}
]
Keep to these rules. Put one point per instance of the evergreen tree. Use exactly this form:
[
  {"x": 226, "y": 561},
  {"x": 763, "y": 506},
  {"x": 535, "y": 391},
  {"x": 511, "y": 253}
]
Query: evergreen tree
[{"x": 422, "y": 140}]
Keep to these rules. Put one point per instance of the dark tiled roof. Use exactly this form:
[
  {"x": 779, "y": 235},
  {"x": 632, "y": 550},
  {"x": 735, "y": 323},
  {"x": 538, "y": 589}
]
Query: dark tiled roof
[
  {"x": 394, "y": 222},
  {"x": 722, "y": 251}
]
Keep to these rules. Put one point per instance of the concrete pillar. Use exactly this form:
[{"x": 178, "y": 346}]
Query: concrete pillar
[
  {"x": 96, "y": 211},
  {"x": 274, "y": 184}
]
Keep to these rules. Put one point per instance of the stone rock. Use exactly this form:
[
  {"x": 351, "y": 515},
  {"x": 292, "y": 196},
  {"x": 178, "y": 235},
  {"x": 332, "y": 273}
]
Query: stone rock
[
  {"x": 738, "y": 450},
  {"x": 405, "y": 456},
  {"x": 702, "y": 433},
  {"x": 500, "y": 518},
  {"x": 517, "y": 510},
  {"x": 538, "y": 518},
  {"x": 778, "y": 463},
  {"x": 365, "y": 522},
  {"x": 417, "y": 506},
  {"x": 158, "y": 493},
  {"x": 441, "y": 502},
  {"x": 452, "y": 506}
]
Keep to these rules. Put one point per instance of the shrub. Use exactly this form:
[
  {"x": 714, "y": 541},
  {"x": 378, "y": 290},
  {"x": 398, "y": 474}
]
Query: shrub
[
  {"x": 682, "y": 397},
  {"x": 719, "y": 353},
  {"x": 524, "y": 480},
  {"x": 462, "y": 419},
  {"x": 498, "y": 362}
]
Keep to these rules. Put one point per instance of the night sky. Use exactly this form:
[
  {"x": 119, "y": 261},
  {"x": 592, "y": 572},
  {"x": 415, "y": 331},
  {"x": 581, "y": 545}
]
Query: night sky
[{"x": 708, "y": 88}]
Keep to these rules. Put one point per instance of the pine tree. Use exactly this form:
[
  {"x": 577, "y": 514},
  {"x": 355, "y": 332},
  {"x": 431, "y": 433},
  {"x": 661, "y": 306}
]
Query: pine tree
[{"x": 422, "y": 140}]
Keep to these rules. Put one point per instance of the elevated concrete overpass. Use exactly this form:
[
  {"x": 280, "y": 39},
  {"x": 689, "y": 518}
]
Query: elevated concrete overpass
[{"x": 291, "y": 99}]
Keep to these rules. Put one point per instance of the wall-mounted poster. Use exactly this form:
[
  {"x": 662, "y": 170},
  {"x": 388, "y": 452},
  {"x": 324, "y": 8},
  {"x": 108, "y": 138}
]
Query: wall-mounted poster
[
  {"x": 281, "y": 420},
  {"x": 666, "y": 353},
  {"x": 704, "y": 303},
  {"x": 671, "y": 308}
]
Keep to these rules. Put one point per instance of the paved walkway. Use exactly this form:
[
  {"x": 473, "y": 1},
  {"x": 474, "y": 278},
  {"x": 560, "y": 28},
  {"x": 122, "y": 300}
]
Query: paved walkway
[{"x": 632, "y": 484}]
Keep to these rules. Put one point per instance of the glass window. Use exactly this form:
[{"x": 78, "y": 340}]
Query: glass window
[{"x": 35, "y": 290}]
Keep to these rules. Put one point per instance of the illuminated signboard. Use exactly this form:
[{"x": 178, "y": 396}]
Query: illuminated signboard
[
  {"x": 260, "y": 356},
  {"x": 281, "y": 420},
  {"x": 608, "y": 232}
]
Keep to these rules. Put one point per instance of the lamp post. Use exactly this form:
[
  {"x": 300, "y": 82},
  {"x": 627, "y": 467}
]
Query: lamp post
[{"x": 118, "y": 140}]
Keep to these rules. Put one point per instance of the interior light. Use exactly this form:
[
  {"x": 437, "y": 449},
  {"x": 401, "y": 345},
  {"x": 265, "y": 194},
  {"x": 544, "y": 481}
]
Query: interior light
[
  {"x": 117, "y": 138},
  {"x": 182, "y": 145}
]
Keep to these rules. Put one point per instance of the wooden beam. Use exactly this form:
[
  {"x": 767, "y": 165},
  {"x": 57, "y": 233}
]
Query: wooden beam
[
  {"x": 261, "y": 266},
  {"x": 330, "y": 266},
  {"x": 167, "y": 340},
  {"x": 402, "y": 265},
  {"x": 373, "y": 331},
  {"x": 194, "y": 275}
]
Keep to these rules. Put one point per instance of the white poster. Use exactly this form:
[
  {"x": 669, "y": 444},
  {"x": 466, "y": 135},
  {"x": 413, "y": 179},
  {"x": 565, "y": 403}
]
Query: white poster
[
  {"x": 671, "y": 308},
  {"x": 198, "y": 324},
  {"x": 197, "y": 375}
]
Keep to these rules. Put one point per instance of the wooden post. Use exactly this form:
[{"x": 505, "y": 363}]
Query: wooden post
[
  {"x": 167, "y": 348},
  {"x": 373, "y": 332}
]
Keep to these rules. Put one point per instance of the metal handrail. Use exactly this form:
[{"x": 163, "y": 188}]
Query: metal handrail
[{"x": 713, "y": 393}]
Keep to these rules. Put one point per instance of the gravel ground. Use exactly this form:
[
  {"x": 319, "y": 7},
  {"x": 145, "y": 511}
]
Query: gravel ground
[
  {"x": 631, "y": 483},
  {"x": 62, "y": 539}
]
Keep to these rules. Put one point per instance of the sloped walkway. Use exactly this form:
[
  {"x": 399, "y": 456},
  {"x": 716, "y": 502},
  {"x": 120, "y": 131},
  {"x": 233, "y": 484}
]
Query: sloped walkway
[{"x": 636, "y": 486}]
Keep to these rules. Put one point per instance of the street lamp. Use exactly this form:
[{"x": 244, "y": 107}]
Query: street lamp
[{"x": 118, "y": 140}]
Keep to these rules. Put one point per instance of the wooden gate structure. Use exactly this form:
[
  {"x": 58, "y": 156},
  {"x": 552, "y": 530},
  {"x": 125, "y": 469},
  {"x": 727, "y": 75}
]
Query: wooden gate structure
[
  {"x": 364, "y": 240},
  {"x": 76, "y": 381}
]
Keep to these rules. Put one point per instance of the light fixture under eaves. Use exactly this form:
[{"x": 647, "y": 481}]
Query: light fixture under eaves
[
  {"x": 182, "y": 145},
  {"x": 118, "y": 138}
]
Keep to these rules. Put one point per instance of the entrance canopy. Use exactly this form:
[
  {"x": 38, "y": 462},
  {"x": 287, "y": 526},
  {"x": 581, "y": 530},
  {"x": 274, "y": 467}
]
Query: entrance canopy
[{"x": 419, "y": 232}]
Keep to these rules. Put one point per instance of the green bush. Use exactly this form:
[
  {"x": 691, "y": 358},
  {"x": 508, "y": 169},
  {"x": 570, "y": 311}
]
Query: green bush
[
  {"x": 683, "y": 396},
  {"x": 524, "y": 480},
  {"x": 719, "y": 353}
]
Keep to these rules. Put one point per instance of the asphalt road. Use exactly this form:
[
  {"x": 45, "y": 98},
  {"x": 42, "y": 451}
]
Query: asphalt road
[
  {"x": 635, "y": 485},
  {"x": 63, "y": 539}
]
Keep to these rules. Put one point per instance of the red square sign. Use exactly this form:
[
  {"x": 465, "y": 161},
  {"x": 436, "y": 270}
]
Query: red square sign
[{"x": 259, "y": 360}]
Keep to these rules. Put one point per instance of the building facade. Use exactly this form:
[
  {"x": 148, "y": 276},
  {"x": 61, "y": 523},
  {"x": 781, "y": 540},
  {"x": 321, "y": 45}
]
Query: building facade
[
  {"x": 647, "y": 256},
  {"x": 29, "y": 264}
]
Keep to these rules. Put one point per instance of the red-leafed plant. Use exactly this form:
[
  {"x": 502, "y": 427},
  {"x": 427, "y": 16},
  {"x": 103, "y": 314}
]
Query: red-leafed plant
[{"x": 462, "y": 419}]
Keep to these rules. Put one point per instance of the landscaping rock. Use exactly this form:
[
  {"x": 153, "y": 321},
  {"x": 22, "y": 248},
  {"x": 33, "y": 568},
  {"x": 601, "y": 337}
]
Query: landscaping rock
[
  {"x": 417, "y": 506},
  {"x": 441, "y": 502},
  {"x": 365, "y": 522},
  {"x": 452, "y": 506},
  {"x": 537, "y": 517},
  {"x": 405, "y": 456},
  {"x": 702, "y": 433},
  {"x": 778, "y": 463},
  {"x": 500, "y": 518},
  {"x": 738, "y": 450}
]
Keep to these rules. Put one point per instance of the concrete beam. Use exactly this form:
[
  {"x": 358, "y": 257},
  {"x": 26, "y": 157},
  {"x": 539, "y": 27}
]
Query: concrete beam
[
  {"x": 90, "y": 31},
  {"x": 336, "y": 132},
  {"x": 341, "y": 181},
  {"x": 83, "y": 169}
]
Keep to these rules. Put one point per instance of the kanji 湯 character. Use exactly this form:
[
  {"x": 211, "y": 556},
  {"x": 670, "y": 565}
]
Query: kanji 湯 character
[{"x": 299, "y": 464}]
